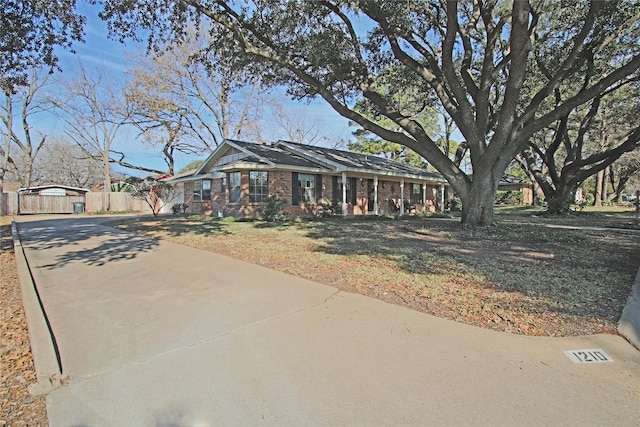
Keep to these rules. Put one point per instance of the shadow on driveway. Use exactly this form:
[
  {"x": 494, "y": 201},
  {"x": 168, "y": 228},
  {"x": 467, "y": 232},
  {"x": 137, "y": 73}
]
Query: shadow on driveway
[{"x": 78, "y": 238}]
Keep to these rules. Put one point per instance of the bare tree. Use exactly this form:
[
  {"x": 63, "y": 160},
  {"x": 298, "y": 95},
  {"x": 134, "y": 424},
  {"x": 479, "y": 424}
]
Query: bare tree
[
  {"x": 21, "y": 142},
  {"x": 296, "y": 125},
  {"x": 156, "y": 194},
  {"x": 66, "y": 163},
  {"x": 91, "y": 105},
  {"x": 182, "y": 106}
]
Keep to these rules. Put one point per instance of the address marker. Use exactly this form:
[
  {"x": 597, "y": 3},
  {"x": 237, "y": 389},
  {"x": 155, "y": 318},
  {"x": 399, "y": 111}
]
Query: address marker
[{"x": 592, "y": 355}]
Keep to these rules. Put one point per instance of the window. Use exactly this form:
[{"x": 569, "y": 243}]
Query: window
[
  {"x": 416, "y": 194},
  {"x": 234, "y": 187},
  {"x": 307, "y": 188},
  {"x": 201, "y": 190},
  {"x": 206, "y": 189},
  {"x": 258, "y": 186}
]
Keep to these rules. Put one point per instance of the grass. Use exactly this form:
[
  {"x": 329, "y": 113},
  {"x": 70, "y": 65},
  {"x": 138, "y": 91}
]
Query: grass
[
  {"x": 624, "y": 216},
  {"x": 522, "y": 278}
]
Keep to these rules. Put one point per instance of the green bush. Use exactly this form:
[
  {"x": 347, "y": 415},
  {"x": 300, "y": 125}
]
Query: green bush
[
  {"x": 454, "y": 204},
  {"x": 273, "y": 210},
  {"x": 589, "y": 199},
  {"x": 509, "y": 197}
]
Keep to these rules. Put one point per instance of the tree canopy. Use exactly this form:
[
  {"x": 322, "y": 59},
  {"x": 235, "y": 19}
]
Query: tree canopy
[
  {"x": 29, "y": 32},
  {"x": 473, "y": 58}
]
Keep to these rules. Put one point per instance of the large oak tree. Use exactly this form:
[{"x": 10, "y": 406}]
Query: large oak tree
[
  {"x": 473, "y": 56},
  {"x": 30, "y": 30}
]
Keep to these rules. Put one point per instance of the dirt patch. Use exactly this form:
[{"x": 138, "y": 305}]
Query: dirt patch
[{"x": 17, "y": 406}]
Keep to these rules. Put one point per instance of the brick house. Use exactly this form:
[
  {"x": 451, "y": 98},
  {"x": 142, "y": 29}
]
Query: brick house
[{"x": 238, "y": 176}]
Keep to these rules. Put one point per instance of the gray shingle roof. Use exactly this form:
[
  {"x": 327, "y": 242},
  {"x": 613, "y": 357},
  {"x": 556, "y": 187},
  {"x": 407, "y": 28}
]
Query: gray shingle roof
[
  {"x": 368, "y": 162},
  {"x": 275, "y": 155}
]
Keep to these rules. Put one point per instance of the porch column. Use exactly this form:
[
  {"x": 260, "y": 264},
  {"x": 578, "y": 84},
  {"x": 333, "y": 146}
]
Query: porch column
[
  {"x": 441, "y": 188},
  {"x": 375, "y": 195},
  {"x": 402, "y": 196},
  {"x": 424, "y": 197},
  {"x": 344, "y": 193}
]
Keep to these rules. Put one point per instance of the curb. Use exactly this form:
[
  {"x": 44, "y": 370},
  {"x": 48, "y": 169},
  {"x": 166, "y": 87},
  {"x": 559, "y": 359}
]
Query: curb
[
  {"x": 629, "y": 323},
  {"x": 44, "y": 349}
]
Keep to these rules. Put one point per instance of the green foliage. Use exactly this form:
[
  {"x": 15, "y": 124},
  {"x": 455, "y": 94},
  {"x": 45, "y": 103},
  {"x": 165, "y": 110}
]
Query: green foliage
[
  {"x": 454, "y": 204},
  {"x": 30, "y": 30},
  {"x": 510, "y": 72},
  {"x": 509, "y": 197},
  {"x": 120, "y": 187},
  {"x": 589, "y": 199},
  {"x": 273, "y": 210}
]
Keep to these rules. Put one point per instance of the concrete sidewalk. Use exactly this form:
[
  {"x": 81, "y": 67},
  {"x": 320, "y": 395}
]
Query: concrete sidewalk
[{"x": 151, "y": 333}]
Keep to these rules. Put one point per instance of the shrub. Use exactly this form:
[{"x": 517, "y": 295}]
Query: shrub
[
  {"x": 509, "y": 197},
  {"x": 589, "y": 199},
  {"x": 454, "y": 204},
  {"x": 327, "y": 208},
  {"x": 273, "y": 210},
  {"x": 179, "y": 208}
]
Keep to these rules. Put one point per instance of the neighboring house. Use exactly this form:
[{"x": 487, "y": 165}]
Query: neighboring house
[
  {"x": 516, "y": 184},
  {"x": 238, "y": 176},
  {"x": 53, "y": 190}
]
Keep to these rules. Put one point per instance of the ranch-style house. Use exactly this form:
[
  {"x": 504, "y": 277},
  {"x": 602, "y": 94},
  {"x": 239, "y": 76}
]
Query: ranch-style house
[{"x": 237, "y": 178}]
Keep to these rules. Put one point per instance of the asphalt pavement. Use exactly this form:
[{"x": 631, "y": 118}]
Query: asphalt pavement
[{"x": 151, "y": 333}]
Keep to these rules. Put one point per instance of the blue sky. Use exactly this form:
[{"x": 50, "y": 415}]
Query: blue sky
[{"x": 99, "y": 50}]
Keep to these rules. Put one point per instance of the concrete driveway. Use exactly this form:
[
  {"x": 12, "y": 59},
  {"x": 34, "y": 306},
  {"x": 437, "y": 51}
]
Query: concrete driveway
[{"x": 155, "y": 334}]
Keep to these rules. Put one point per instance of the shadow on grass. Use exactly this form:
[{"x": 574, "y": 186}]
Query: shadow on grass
[{"x": 577, "y": 272}]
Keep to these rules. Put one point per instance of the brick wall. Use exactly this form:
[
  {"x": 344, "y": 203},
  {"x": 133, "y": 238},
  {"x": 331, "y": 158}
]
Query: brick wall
[{"x": 280, "y": 185}]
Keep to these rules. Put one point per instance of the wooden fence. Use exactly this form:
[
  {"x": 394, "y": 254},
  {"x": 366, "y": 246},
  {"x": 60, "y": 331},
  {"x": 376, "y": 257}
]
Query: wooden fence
[
  {"x": 12, "y": 204},
  {"x": 34, "y": 204},
  {"x": 114, "y": 202}
]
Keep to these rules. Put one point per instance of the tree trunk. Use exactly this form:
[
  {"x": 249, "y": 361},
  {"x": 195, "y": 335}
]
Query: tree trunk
[
  {"x": 560, "y": 201},
  {"x": 605, "y": 184},
  {"x": 477, "y": 205},
  {"x": 598, "y": 195}
]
